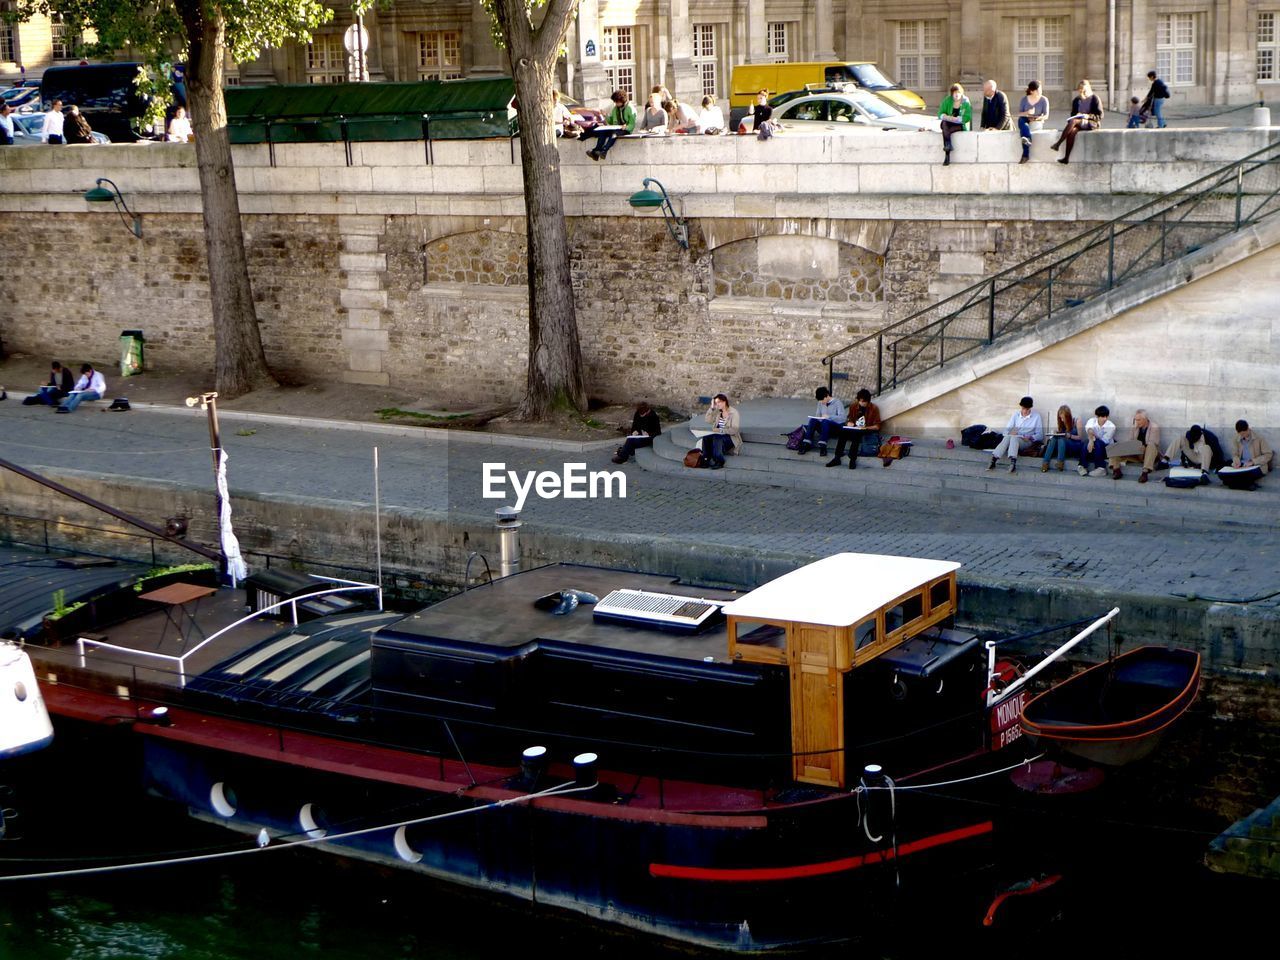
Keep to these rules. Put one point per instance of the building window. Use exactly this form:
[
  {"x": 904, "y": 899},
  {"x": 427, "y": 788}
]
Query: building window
[
  {"x": 62, "y": 39},
  {"x": 1268, "y": 46},
  {"x": 440, "y": 55},
  {"x": 8, "y": 38},
  {"x": 920, "y": 54},
  {"x": 778, "y": 40},
  {"x": 1176, "y": 48},
  {"x": 618, "y": 57},
  {"x": 1039, "y": 52},
  {"x": 705, "y": 57},
  {"x": 326, "y": 60}
]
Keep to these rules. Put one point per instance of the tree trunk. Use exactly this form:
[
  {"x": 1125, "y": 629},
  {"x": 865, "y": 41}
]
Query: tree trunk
[
  {"x": 240, "y": 363},
  {"x": 555, "y": 357}
]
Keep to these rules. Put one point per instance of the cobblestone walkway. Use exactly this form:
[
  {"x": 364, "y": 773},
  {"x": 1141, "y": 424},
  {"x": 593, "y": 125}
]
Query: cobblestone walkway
[{"x": 1132, "y": 554}]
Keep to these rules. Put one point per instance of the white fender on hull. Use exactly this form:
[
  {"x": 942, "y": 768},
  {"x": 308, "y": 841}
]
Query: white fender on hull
[{"x": 24, "y": 721}]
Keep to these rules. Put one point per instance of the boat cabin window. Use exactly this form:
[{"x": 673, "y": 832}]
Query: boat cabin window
[
  {"x": 755, "y": 633},
  {"x": 864, "y": 634},
  {"x": 911, "y": 608},
  {"x": 940, "y": 594}
]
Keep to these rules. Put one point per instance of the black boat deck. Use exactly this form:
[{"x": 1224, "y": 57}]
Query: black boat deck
[
  {"x": 502, "y": 614},
  {"x": 158, "y": 632}
]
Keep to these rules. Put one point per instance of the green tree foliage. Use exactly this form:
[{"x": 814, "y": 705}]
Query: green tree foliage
[{"x": 201, "y": 33}]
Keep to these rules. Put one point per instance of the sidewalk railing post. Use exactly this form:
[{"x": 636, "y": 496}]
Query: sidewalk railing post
[{"x": 991, "y": 313}]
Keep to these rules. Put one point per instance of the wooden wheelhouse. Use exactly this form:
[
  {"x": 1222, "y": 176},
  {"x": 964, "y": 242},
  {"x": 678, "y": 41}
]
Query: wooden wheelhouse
[{"x": 828, "y": 618}]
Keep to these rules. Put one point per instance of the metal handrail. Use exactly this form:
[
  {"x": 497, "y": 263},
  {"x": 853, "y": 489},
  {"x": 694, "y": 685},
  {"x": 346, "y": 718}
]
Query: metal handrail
[
  {"x": 890, "y": 339},
  {"x": 181, "y": 659}
]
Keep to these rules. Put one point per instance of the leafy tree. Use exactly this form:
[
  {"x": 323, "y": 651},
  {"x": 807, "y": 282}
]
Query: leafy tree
[
  {"x": 555, "y": 355},
  {"x": 203, "y": 32}
]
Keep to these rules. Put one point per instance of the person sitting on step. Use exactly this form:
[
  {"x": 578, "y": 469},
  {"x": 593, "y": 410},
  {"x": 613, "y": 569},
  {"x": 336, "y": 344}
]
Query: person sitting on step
[
  {"x": 59, "y": 385},
  {"x": 1066, "y": 440},
  {"x": 645, "y": 425},
  {"x": 1143, "y": 444},
  {"x": 1025, "y": 430},
  {"x": 826, "y": 416},
  {"x": 1098, "y": 433},
  {"x": 861, "y": 431},
  {"x": 1251, "y": 458},
  {"x": 91, "y": 386},
  {"x": 726, "y": 432},
  {"x": 1195, "y": 448}
]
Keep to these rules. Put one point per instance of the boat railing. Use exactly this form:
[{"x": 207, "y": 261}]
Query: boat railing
[
  {"x": 995, "y": 693},
  {"x": 180, "y": 660}
]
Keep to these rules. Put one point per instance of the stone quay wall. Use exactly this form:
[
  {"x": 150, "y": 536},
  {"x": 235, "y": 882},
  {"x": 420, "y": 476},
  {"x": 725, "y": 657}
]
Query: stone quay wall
[{"x": 388, "y": 268}]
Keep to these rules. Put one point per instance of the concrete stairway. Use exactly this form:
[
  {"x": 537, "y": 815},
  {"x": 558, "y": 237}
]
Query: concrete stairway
[{"x": 935, "y": 475}]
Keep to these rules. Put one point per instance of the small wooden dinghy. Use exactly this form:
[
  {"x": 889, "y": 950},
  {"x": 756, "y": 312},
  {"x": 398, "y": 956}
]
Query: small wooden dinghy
[{"x": 1115, "y": 713}]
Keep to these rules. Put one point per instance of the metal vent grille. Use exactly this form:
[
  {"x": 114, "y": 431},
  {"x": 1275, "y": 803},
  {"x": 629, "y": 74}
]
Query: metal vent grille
[{"x": 659, "y": 609}]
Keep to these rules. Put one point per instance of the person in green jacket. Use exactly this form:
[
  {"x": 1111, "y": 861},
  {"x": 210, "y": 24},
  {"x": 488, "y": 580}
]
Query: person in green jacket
[
  {"x": 956, "y": 113},
  {"x": 623, "y": 115}
]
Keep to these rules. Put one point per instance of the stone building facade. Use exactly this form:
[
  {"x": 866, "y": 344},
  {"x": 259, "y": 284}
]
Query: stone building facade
[{"x": 1209, "y": 51}]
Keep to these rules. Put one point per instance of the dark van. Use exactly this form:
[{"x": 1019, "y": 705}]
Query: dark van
[{"x": 105, "y": 94}]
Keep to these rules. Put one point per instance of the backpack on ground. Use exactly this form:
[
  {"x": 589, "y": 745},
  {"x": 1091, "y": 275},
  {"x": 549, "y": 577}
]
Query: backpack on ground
[
  {"x": 969, "y": 435},
  {"x": 794, "y": 438},
  {"x": 988, "y": 441},
  {"x": 694, "y": 458}
]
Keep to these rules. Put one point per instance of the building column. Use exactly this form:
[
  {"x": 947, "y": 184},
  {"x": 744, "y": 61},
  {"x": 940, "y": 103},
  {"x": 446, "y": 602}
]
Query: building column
[
  {"x": 856, "y": 33},
  {"x": 756, "y": 29},
  {"x": 824, "y": 39},
  {"x": 682, "y": 79},
  {"x": 486, "y": 59},
  {"x": 590, "y": 86},
  {"x": 969, "y": 57}
]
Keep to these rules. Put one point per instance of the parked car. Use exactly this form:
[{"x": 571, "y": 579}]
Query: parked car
[
  {"x": 27, "y": 129},
  {"x": 22, "y": 99},
  {"x": 585, "y": 117},
  {"x": 750, "y": 78},
  {"x": 844, "y": 111}
]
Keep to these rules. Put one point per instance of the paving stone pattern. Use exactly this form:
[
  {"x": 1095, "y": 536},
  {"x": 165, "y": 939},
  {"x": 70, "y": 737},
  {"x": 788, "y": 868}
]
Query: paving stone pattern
[{"x": 1148, "y": 557}]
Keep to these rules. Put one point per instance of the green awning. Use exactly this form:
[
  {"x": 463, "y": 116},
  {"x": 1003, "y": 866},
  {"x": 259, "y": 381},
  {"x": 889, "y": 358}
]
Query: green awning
[{"x": 311, "y": 113}]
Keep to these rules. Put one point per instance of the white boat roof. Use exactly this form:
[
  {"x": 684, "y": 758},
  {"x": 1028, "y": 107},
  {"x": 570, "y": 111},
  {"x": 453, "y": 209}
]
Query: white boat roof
[{"x": 839, "y": 590}]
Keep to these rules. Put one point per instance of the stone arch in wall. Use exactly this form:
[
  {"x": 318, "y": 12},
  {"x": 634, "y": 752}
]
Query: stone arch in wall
[
  {"x": 798, "y": 269},
  {"x": 805, "y": 259},
  {"x": 478, "y": 257}
]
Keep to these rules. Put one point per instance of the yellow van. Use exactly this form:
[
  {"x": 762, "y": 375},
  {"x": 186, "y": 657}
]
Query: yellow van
[{"x": 750, "y": 78}]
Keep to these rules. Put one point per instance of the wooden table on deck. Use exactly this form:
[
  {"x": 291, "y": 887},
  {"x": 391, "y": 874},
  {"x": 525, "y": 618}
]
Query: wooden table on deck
[{"x": 174, "y": 598}]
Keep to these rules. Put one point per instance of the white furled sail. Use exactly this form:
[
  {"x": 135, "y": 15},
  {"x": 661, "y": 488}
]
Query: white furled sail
[{"x": 24, "y": 721}]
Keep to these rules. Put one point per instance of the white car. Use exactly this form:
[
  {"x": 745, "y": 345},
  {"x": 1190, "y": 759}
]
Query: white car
[
  {"x": 27, "y": 129},
  {"x": 847, "y": 112}
]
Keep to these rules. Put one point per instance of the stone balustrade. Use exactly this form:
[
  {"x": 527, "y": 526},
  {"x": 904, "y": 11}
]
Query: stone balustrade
[{"x": 868, "y": 175}]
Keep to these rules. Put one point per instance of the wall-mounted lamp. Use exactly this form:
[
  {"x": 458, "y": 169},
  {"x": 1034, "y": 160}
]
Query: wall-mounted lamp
[
  {"x": 100, "y": 194},
  {"x": 646, "y": 199}
]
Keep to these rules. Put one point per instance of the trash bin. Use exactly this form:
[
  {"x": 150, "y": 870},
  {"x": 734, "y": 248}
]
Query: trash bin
[{"x": 130, "y": 352}]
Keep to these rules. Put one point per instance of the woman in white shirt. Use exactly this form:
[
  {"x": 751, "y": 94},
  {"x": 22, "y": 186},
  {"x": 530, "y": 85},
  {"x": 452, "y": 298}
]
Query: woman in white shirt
[
  {"x": 179, "y": 127},
  {"x": 53, "y": 121},
  {"x": 712, "y": 118}
]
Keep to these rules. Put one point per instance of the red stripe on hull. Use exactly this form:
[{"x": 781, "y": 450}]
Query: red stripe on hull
[{"x": 800, "y": 871}]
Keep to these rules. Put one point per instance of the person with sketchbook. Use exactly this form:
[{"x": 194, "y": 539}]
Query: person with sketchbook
[
  {"x": 1065, "y": 441},
  {"x": 1086, "y": 114},
  {"x": 1142, "y": 445},
  {"x": 862, "y": 426},
  {"x": 645, "y": 425},
  {"x": 91, "y": 386},
  {"x": 726, "y": 431},
  {"x": 59, "y": 385},
  {"x": 826, "y": 416}
]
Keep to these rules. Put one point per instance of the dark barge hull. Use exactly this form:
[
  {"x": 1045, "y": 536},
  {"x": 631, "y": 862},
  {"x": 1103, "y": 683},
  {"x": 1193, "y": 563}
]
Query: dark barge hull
[{"x": 755, "y": 879}]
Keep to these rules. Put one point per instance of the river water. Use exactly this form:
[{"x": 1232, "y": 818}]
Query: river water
[{"x": 295, "y": 905}]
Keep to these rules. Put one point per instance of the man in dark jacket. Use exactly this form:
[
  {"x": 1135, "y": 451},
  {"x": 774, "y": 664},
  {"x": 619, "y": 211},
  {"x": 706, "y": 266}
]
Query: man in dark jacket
[
  {"x": 1154, "y": 104},
  {"x": 995, "y": 108}
]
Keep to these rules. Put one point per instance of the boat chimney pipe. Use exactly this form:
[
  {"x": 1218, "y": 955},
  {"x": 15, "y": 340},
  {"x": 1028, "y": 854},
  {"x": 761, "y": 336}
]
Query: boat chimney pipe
[{"x": 508, "y": 524}]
